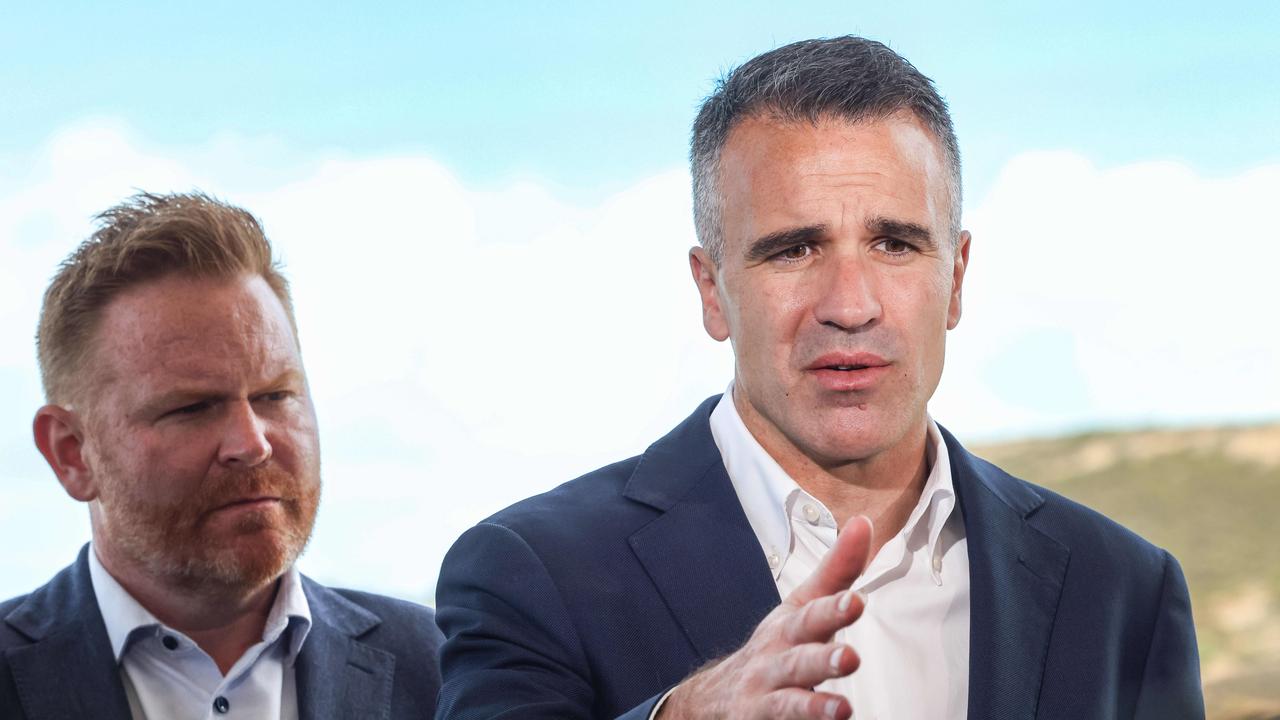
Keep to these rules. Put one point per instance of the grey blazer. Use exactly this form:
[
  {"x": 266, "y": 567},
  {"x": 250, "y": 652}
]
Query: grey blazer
[{"x": 366, "y": 656}]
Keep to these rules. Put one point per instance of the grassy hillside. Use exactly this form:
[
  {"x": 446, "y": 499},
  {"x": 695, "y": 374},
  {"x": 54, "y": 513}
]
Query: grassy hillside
[{"x": 1211, "y": 497}]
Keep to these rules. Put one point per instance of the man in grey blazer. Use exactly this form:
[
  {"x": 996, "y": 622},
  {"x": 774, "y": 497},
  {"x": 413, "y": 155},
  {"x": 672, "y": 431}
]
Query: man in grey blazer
[{"x": 179, "y": 412}]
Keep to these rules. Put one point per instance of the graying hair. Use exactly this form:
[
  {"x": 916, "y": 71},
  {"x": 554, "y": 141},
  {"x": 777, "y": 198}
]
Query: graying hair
[{"x": 849, "y": 78}]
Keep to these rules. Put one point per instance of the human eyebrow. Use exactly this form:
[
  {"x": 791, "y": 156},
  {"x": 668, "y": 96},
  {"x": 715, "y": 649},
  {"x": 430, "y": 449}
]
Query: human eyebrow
[
  {"x": 769, "y": 245},
  {"x": 291, "y": 378},
  {"x": 902, "y": 230}
]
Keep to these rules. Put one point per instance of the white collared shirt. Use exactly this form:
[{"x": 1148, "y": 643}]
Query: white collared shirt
[
  {"x": 913, "y": 638},
  {"x": 168, "y": 677}
]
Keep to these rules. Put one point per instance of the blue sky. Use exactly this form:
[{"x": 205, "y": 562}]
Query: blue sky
[
  {"x": 589, "y": 96},
  {"x": 484, "y": 210}
]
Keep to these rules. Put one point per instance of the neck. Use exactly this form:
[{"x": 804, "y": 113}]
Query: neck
[
  {"x": 884, "y": 487},
  {"x": 223, "y": 621}
]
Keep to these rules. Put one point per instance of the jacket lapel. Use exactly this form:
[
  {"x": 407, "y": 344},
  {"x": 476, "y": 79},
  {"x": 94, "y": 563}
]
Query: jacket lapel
[
  {"x": 338, "y": 676},
  {"x": 718, "y": 585},
  {"x": 700, "y": 553},
  {"x": 1015, "y": 581},
  {"x": 68, "y": 671}
]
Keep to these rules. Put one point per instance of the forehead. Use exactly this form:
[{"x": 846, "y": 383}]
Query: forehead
[
  {"x": 182, "y": 330},
  {"x": 781, "y": 171}
]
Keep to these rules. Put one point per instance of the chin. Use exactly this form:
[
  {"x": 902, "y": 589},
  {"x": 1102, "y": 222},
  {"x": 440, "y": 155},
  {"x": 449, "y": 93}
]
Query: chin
[
  {"x": 842, "y": 449},
  {"x": 243, "y": 563},
  {"x": 850, "y": 439}
]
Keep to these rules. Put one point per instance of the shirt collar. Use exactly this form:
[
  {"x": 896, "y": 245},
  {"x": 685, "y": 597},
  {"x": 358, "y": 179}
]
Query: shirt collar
[
  {"x": 936, "y": 504},
  {"x": 763, "y": 487},
  {"x": 126, "y": 618},
  {"x": 768, "y": 493}
]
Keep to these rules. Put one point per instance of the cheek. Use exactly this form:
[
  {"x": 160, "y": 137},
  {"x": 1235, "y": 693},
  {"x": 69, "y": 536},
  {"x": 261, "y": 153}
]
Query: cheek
[
  {"x": 168, "y": 467},
  {"x": 918, "y": 309},
  {"x": 297, "y": 443},
  {"x": 767, "y": 316},
  {"x": 932, "y": 321}
]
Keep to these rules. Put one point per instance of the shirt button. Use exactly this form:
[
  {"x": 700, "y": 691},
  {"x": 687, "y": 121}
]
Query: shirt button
[
  {"x": 811, "y": 514},
  {"x": 221, "y": 705},
  {"x": 170, "y": 642},
  {"x": 773, "y": 561}
]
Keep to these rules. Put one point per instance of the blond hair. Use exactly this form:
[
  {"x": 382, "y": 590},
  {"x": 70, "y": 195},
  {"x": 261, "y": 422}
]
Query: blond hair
[{"x": 144, "y": 238}]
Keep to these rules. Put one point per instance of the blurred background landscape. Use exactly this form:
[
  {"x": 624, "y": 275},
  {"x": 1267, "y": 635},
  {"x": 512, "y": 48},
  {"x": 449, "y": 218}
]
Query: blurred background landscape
[
  {"x": 484, "y": 211},
  {"x": 1209, "y": 496}
]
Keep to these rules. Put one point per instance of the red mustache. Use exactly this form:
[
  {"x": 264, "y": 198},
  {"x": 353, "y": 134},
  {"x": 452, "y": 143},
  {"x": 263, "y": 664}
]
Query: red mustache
[{"x": 264, "y": 481}]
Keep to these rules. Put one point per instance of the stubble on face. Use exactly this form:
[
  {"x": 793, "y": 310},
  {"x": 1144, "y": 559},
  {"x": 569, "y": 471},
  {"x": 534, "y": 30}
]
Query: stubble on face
[
  {"x": 185, "y": 544},
  {"x": 807, "y": 274},
  {"x": 169, "y": 506}
]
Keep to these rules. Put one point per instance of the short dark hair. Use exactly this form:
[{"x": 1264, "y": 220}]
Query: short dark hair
[
  {"x": 144, "y": 238},
  {"x": 848, "y": 77}
]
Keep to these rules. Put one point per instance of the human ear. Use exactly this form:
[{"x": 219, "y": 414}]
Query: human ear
[
  {"x": 60, "y": 439},
  {"x": 959, "y": 264},
  {"x": 704, "y": 276}
]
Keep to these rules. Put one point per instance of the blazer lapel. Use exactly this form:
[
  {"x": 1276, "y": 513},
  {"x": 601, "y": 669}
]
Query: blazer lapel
[
  {"x": 337, "y": 675},
  {"x": 1015, "y": 581},
  {"x": 68, "y": 671},
  {"x": 700, "y": 553},
  {"x": 704, "y": 559}
]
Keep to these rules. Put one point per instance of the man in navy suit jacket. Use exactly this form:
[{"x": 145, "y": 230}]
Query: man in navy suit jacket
[
  {"x": 365, "y": 655},
  {"x": 706, "y": 578},
  {"x": 179, "y": 411}
]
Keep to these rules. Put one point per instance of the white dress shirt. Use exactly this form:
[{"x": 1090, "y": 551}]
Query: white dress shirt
[
  {"x": 913, "y": 638},
  {"x": 168, "y": 677}
]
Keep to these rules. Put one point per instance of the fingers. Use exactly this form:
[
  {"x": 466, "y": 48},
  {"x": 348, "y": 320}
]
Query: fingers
[
  {"x": 790, "y": 652},
  {"x": 796, "y": 704},
  {"x": 812, "y": 664},
  {"x": 822, "y": 618},
  {"x": 842, "y": 564}
]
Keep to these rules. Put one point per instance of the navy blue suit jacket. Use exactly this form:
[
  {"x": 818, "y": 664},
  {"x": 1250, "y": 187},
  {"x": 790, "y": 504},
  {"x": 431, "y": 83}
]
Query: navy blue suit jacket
[
  {"x": 366, "y": 656},
  {"x": 589, "y": 601}
]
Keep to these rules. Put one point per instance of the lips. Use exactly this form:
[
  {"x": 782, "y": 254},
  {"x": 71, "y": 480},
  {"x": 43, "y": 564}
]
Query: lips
[
  {"x": 848, "y": 372},
  {"x": 248, "y": 503},
  {"x": 848, "y": 361}
]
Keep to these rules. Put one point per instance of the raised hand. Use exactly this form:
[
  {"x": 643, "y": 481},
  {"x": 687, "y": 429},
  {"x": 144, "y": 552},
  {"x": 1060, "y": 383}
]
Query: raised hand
[{"x": 772, "y": 676}]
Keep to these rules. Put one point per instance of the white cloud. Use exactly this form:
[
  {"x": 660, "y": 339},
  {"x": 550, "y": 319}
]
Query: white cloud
[
  {"x": 468, "y": 347},
  {"x": 1145, "y": 291}
]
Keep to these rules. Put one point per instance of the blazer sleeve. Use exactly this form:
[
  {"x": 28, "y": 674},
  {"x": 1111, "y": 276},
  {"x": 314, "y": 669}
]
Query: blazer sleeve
[
  {"x": 511, "y": 649},
  {"x": 1171, "y": 681}
]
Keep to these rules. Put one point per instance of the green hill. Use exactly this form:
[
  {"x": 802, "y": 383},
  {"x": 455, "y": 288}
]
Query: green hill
[{"x": 1211, "y": 496}]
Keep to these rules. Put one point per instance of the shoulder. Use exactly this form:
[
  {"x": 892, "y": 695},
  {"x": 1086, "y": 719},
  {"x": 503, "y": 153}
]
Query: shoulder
[
  {"x": 61, "y": 610},
  {"x": 9, "y": 635},
  {"x": 379, "y": 620},
  {"x": 567, "y": 542},
  {"x": 581, "y": 502},
  {"x": 1099, "y": 546},
  {"x": 579, "y": 525},
  {"x": 391, "y": 611},
  {"x": 66, "y": 599},
  {"x": 395, "y": 641},
  {"x": 8, "y": 606},
  {"x": 10, "y": 638}
]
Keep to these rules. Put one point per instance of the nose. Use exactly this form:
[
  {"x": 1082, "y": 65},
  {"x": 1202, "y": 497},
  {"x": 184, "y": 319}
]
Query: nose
[
  {"x": 848, "y": 297},
  {"x": 244, "y": 439}
]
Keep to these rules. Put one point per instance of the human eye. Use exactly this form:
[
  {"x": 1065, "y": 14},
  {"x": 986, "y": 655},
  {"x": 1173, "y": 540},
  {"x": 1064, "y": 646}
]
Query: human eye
[
  {"x": 795, "y": 253},
  {"x": 895, "y": 247},
  {"x": 189, "y": 410},
  {"x": 275, "y": 396}
]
